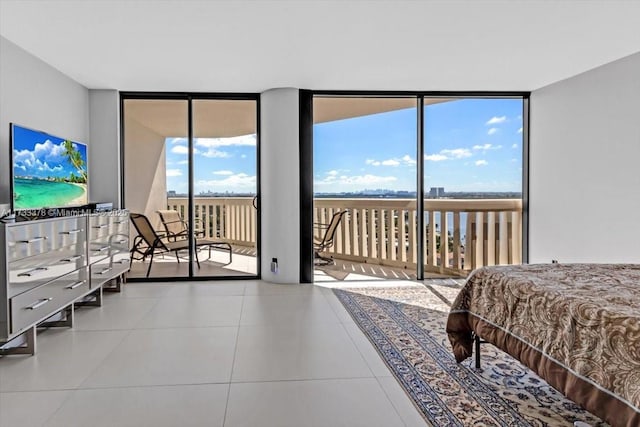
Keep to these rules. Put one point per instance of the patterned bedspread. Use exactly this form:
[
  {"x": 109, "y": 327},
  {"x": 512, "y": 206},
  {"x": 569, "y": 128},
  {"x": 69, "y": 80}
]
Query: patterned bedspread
[{"x": 576, "y": 325}]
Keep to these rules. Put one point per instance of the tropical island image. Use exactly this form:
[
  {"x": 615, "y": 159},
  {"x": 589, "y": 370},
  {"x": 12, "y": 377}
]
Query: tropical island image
[{"x": 47, "y": 171}]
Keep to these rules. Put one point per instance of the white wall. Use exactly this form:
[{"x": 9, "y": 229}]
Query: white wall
[
  {"x": 280, "y": 184},
  {"x": 104, "y": 154},
  {"x": 35, "y": 95},
  {"x": 145, "y": 171},
  {"x": 585, "y": 167}
]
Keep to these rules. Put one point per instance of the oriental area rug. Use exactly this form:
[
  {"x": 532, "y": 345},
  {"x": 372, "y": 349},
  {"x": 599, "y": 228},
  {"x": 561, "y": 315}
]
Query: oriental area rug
[{"x": 406, "y": 325}]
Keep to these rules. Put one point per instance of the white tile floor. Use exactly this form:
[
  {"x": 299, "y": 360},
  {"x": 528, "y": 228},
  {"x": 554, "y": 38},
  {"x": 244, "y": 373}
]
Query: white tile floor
[{"x": 236, "y": 353}]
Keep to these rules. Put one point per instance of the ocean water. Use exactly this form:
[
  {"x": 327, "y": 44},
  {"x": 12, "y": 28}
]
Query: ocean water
[{"x": 35, "y": 193}]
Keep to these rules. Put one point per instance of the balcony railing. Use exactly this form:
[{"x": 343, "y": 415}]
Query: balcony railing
[
  {"x": 384, "y": 231},
  {"x": 232, "y": 219}
]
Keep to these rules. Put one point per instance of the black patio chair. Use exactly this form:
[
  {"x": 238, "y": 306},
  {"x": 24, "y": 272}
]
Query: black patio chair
[
  {"x": 326, "y": 241},
  {"x": 149, "y": 243}
]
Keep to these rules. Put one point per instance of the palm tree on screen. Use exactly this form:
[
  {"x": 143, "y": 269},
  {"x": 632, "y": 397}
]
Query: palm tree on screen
[{"x": 75, "y": 158}]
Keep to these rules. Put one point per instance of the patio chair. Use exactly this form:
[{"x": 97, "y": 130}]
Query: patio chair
[
  {"x": 176, "y": 229},
  {"x": 149, "y": 243},
  {"x": 175, "y": 226},
  {"x": 326, "y": 241}
]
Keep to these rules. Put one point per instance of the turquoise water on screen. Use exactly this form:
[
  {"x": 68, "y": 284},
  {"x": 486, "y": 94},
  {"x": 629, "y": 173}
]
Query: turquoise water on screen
[{"x": 36, "y": 193}]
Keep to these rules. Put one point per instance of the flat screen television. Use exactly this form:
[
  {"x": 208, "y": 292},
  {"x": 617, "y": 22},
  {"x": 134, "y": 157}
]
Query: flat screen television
[{"x": 48, "y": 171}]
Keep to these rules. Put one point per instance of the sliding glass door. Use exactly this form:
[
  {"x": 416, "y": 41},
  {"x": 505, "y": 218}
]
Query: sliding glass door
[
  {"x": 433, "y": 185},
  {"x": 191, "y": 169},
  {"x": 365, "y": 163}
]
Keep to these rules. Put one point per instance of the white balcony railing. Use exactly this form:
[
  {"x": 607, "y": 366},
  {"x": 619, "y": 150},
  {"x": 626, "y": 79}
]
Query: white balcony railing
[
  {"x": 232, "y": 219},
  {"x": 384, "y": 231}
]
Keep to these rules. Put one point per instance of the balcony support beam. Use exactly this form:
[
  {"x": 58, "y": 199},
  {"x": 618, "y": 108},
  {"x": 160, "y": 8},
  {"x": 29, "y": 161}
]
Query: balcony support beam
[{"x": 420, "y": 259}]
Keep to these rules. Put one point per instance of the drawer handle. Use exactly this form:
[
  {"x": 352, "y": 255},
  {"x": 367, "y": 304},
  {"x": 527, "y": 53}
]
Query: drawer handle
[
  {"x": 72, "y": 258},
  {"x": 120, "y": 242},
  {"x": 33, "y": 240},
  {"x": 38, "y": 304},
  {"x": 123, "y": 261},
  {"x": 104, "y": 270},
  {"x": 75, "y": 285},
  {"x": 119, "y": 222},
  {"x": 32, "y": 272},
  {"x": 102, "y": 249},
  {"x": 101, "y": 226},
  {"x": 71, "y": 231}
]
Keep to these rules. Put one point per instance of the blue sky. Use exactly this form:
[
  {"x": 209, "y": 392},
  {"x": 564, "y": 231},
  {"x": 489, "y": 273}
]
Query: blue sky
[
  {"x": 40, "y": 155},
  {"x": 471, "y": 145},
  {"x": 220, "y": 164}
]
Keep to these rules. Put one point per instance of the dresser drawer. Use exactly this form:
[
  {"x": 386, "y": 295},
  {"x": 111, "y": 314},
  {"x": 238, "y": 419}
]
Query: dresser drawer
[
  {"x": 107, "y": 269},
  {"x": 29, "y": 239},
  {"x": 105, "y": 224},
  {"x": 39, "y": 303},
  {"x": 40, "y": 269}
]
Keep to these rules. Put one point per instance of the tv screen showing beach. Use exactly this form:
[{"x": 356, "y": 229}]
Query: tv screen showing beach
[{"x": 47, "y": 171}]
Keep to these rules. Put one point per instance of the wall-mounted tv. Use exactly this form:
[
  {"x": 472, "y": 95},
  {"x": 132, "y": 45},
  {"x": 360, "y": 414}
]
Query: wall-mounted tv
[{"x": 48, "y": 171}]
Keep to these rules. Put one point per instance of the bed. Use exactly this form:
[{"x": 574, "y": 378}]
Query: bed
[{"x": 575, "y": 325}]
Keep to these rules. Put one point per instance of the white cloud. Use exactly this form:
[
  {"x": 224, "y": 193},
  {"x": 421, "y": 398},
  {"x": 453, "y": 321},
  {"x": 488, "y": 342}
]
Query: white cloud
[
  {"x": 408, "y": 160},
  {"x": 236, "y": 182},
  {"x": 174, "y": 141},
  {"x": 481, "y": 163},
  {"x": 395, "y": 161},
  {"x": 180, "y": 149},
  {"x": 44, "y": 167},
  {"x": 358, "y": 180},
  {"x": 212, "y": 152},
  {"x": 223, "y": 172},
  {"x": 244, "y": 140},
  {"x": 23, "y": 156},
  {"x": 496, "y": 120},
  {"x": 332, "y": 173},
  {"x": 520, "y": 130},
  {"x": 435, "y": 157},
  {"x": 448, "y": 154},
  {"x": 514, "y": 146},
  {"x": 492, "y": 131},
  {"x": 183, "y": 162},
  {"x": 174, "y": 172},
  {"x": 487, "y": 147},
  {"x": 457, "y": 153}
]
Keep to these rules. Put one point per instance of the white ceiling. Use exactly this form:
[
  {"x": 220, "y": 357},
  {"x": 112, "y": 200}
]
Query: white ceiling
[{"x": 251, "y": 46}]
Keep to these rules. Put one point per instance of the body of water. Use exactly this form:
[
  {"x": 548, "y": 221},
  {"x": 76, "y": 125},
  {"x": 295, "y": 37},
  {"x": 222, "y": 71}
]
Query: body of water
[{"x": 36, "y": 193}]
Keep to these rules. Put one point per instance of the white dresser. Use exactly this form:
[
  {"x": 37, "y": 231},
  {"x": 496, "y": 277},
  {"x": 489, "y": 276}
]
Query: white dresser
[{"x": 50, "y": 265}]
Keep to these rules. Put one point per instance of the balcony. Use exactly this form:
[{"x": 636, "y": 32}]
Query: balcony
[{"x": 379, "y": 236}]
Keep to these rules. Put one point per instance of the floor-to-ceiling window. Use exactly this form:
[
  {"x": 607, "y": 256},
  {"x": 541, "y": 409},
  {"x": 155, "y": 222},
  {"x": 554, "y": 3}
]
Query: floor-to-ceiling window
[
  {"x": 473, "y": 182},
  {"x": 433, "y": 184},
  {"x": 191, "y": 168}
]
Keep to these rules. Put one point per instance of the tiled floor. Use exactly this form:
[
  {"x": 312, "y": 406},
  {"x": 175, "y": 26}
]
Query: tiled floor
[{"x": 235, "y": 353}]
